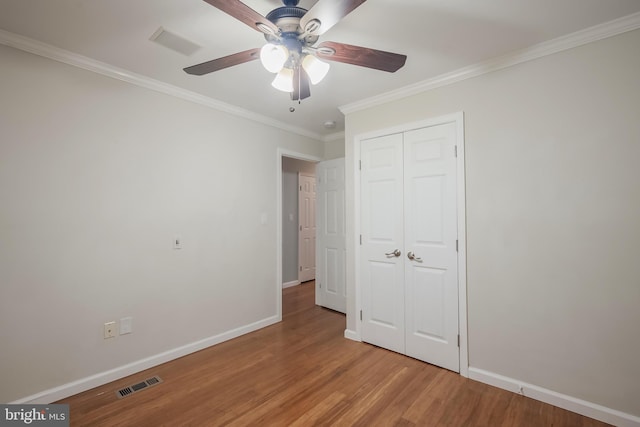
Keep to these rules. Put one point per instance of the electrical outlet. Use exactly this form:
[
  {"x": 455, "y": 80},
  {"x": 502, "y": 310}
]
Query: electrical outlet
[
  {"x": 109, "y": 330},
  {"x": 126, "y": 325}
]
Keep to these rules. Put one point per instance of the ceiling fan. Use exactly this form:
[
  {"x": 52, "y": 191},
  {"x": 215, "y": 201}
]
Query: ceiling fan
[{"x": 291, "y": 33}]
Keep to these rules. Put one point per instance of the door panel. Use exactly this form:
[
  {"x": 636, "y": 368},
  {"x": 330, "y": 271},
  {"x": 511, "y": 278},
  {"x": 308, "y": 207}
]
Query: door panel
[
  {"x": 431, "y": 233},
  {"x": 428, "y": 209},
  {"x": 331, "y": 232},
  {"x": 307, "y": 228},
  {"x": 382, "y": 233},
  {"x": 429, "y": 292}
]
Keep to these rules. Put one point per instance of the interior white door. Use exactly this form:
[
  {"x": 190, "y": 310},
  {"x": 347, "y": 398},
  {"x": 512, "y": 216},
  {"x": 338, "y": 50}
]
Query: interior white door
[
  {"x": 382, "y": 242},
  {"x": 331, "y": 236},
  {"x": 430, "y": 233},
  {"x": 408, "y": 203},
  {"x": 307, "y": 228}
]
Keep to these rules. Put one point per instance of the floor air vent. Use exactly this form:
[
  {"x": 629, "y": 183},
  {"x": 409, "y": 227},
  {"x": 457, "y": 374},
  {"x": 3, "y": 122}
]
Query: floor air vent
[{"x": 134, "y": 388}]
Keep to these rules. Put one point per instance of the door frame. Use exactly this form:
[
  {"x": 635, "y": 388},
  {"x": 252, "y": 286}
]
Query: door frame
[
  {"x": 280, "y": 153},
  {"x": 458, "y": 119}
]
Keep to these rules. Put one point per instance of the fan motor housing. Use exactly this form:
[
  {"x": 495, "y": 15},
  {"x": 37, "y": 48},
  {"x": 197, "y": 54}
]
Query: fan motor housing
[{"x": 287, "y": 19}]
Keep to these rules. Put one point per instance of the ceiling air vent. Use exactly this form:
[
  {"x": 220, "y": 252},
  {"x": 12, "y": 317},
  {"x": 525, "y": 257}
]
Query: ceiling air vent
[
  {"x": 174, "y": 42},
  {"x": 134, "y": 388}
]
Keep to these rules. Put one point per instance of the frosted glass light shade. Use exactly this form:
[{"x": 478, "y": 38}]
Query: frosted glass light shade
[
  {"x": 316, "y": 69},
  {"x": 284, "y": 80},
  {"x": 273, "y": 57}
]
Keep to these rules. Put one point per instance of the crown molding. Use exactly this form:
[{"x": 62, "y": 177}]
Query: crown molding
[
  {"x": 61, "y": 55},
  {"x": 569, "y": 41}
]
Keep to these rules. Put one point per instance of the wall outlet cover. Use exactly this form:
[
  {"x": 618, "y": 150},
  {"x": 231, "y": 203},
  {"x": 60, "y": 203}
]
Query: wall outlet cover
[{"x": 109, "y": 330}]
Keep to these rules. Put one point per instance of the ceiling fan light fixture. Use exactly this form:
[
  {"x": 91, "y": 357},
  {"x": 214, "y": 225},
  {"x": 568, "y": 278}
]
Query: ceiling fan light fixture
[
  {"x": 284, "y": 80},
  {"x": 273, "y": 57},
  {"x": 315, "y": 68}
]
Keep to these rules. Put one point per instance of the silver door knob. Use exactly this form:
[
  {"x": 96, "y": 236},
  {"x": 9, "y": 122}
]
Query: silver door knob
[
  {"x": 395, "y": 253},
  {"x": 413, "y": 257}
]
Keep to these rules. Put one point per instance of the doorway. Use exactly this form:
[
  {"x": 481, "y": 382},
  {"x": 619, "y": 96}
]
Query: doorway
[
  {"x": 298, "y": 222},
  {"x": 283, "y": 219}
]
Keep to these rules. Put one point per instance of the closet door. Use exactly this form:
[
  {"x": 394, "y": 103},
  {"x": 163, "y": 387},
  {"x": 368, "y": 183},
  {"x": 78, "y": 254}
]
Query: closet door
[
  {"x": 382, "y": 251},
  {"x": 409, "y": 255},
  {"x": 430, "y": 233}
]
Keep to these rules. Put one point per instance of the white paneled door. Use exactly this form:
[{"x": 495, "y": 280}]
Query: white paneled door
[
  {"x": 382, "y": 242},
  {"x": 331, "y": 236},
  {"x": 306, "y": 228},
  {"x": 409, "y": 238}
]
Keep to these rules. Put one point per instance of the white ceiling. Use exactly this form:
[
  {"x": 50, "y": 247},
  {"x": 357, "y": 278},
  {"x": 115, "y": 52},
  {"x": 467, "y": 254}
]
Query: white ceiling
[{"x": 438, "y": 36}]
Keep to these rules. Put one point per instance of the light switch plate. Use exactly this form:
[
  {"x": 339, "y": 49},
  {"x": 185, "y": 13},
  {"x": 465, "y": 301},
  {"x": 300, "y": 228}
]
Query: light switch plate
[{"x": 126, "y": 325}]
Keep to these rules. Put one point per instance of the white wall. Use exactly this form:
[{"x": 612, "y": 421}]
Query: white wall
[
  {"x": 553, "y": 217},
  {"x": 96, "y": 178},
  {"x": 290, "y": 169},
  {"x": 334, "y": 149}
]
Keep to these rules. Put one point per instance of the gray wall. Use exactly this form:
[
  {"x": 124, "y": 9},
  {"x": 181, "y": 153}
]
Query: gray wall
[
  {"x": 553, "y": 216},
  {"x": 97, "y": 176},
  {"x": 290, "y": 169}
]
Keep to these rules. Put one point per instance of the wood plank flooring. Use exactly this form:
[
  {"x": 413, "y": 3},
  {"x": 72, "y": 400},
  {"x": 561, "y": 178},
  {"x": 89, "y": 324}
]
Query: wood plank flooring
[{"x": 303, "y": 372}]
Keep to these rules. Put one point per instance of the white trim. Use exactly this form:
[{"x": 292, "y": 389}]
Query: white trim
[
  {"x": 78, "y": 386},
  {"x": 462, "y": 244},
  {"x": 458, "y": 119},
  {"x": 61, "y": 55},
  {"x": 579, "y": 406},
  {"x": 569, "y": 41},
  {"x": 280, "y": 153},
  {"x": 290, "y": 284},
  {"x": 352, "y": 335}
]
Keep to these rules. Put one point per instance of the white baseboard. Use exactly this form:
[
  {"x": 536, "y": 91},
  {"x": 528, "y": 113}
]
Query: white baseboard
[
  {"x": 290, "y": 284},
  {"x": 75, "y": 387},
  {"x": 352, "y": 335},
  {"x": 579, "y": 406}
]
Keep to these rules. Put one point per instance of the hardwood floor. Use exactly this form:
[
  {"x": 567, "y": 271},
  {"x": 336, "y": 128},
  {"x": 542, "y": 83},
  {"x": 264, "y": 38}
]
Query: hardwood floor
[{"x": 303, "y": 372}]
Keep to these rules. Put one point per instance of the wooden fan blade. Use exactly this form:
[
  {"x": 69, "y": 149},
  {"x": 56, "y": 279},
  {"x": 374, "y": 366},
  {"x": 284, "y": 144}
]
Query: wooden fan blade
[
  {"x": 362, "y": 56},
  {"x": 224, "y": 62},
  {"x": 328, "y": 12},
  {"x": 300, "y": 85},
  {"x": 244, "y": 13}
]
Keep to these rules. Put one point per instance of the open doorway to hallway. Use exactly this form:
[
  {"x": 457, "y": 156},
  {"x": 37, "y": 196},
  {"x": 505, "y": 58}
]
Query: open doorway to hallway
[{"x": 298, "y": 221}]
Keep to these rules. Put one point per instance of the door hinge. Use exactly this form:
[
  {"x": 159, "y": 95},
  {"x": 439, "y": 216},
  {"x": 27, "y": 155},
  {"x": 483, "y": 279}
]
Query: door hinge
[
  {"x": 458, "y": 340},
  {"x": 456, "y": 245},
  {"x": 301, "y": 230},
  {"x": 361, "y": 239},
  {"x": 300, "y": 268},
  {"x": 360, "y": 315},
  {"x": 359, "y": 164},
  {"x": 455, "y": 150},
  {"x": 301, "y": 188}
]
